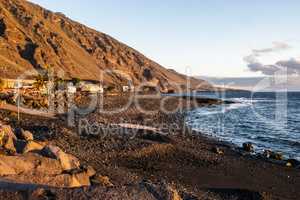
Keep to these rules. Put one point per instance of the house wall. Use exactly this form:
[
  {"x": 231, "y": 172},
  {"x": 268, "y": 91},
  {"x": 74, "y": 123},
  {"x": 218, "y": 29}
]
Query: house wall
[{"x": 12, "y": 83}]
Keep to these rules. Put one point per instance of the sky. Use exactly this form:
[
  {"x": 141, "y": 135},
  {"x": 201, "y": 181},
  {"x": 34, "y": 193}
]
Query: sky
[{"x": 223, "y": 38}]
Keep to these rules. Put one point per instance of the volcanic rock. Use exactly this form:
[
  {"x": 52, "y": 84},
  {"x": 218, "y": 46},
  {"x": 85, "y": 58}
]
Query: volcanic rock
[
  {"x": 32, "y": 146},
  {"x": 68, "y": 162},
  {"x": 101, "y": 180},
  {"x": 36, "y": 39},
  {"x": 26, "y": 135},
  {"x": 248, "y": 147}
]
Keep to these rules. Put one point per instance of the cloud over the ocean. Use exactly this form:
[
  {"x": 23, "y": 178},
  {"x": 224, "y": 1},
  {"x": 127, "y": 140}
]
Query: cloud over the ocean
[
  {"x": 292, "y": 66},
  {"x": 277, "y": 46}
]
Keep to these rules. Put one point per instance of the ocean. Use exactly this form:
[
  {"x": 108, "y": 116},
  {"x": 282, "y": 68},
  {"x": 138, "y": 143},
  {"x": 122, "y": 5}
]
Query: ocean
[{"x": 271, "y": 121}]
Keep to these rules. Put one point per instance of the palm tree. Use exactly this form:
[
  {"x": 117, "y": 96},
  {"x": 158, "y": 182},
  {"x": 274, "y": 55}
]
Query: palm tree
[
  {"x": 40, "y": 82},
  {"x": 76, "y": 81}
]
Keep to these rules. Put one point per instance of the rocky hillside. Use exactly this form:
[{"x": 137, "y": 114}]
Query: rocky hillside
[{"x": 33, "y": 39}]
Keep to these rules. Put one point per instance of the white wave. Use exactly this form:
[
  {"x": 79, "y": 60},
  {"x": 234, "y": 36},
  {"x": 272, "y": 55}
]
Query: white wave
[
  {"x": 244, "y": 100},
  {"x": 247, "y": 100},
  {"x": 237, "y": 106},
  {"x": 210, "y": 112},
  {"x": 219, "y": 109}
]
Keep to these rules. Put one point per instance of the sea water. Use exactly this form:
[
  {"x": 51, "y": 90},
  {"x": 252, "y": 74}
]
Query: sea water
[{"x": 269, "y": 120}]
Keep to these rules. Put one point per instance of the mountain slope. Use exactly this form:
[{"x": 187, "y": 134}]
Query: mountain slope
[{"x": 33, "y": 38}]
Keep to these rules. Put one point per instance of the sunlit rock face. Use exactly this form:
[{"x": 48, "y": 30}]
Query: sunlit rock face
[{"x": 33, "y": 39}]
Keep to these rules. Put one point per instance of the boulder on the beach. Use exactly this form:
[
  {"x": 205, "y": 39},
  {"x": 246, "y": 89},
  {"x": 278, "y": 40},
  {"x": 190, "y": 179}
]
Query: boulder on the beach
[
  {"x": 293, "y": 163},
  {"x": 89, "y": 170},
  {"x": 173, "y": 194},
  {"x": 35, "y": 169},
  {"x": 101, "y": 180},
  {"x": 7, "y": 138},
  {"x": 68, "y": 162},
  {"x": 272, "y": 155},
  {"x": 6, "y": 169},
  {"x": 48, "y": 166},
  {"x": 26, "y": 135},
  {"x": 248, "y": 147},
  {"x": 288, "y": 164},
  {"x": 32, "y": 146},
  {"x": 10, "y": 145},
  {"x": 79, "y": 180},
  {"x": 276, "y": 155},
  {"x": 267, "y": 153},
  {"x": 18, "y": 164},
  {"x": 7, "y": 130},
  {"x": 217, "y": 150}
]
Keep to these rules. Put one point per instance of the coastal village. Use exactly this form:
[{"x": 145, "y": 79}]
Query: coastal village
[
  {"x": 70, "y": 86},
  {"x": 41, "y": 88}
]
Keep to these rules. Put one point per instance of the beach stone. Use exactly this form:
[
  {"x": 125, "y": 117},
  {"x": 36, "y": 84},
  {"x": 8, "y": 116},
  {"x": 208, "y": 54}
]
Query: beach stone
[
  {"x": 293, "y": 163},
  {"x": 101, "y": 180},
  {"x": 42, "y": 165},
  {"x": 48, "y": 166},
  {"x": 173, "y": 194},
  {"x": 79, "y": 180},
  {"x": 68, "y": 162},
  {"x": 42, "y": 193},
  {"x": 35, "y": 169},
  {"x": 162, "y": 191},
  {"x": 276, "y": 156},
  {"x": 248, "y": 147},
  {"x": 272, "y": 155},
  {"x": 7, "y": 130},
  {"x": 267, "y": 153},
  {"x": 89, "y": 170},
  {"x": 217, "y": 150},
  {"x": 19, "y": 164},
  {"x": 51, "y": 151},
  {"x": 6, "y": 169},
  {"x": 7, "y": 138},
  {"x": 26, "y": 135},
  {"x": 57, "y": 181},
  {"x": 32, "y": 146},
  {"x": 10, "y": 145}
]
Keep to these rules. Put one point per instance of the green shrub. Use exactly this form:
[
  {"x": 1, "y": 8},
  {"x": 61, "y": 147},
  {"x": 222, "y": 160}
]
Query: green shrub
[{"x": 76, "y": 81}]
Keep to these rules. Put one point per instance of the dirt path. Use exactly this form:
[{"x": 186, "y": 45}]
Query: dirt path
[{"x": 27, "y": 111}]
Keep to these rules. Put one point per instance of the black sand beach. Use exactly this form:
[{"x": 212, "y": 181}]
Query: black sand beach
[{"x": 181, "y": 158}]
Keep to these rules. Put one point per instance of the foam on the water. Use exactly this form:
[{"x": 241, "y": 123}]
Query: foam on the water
[{"x": 253, "y": 119}]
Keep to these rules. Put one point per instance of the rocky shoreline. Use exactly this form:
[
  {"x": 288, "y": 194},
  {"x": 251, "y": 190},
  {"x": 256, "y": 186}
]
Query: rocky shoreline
[{"x": 143, "y": 163}]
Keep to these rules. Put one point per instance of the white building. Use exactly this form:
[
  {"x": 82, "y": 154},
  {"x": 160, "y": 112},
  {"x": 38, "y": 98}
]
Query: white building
[
  {"x": 92, "y": 88},
  {"x": 71, "y": 89},
  {"x": 18, "y": 84},
  {"x": 128, "y": 88},
  {"x": 125, "y": 88}
]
